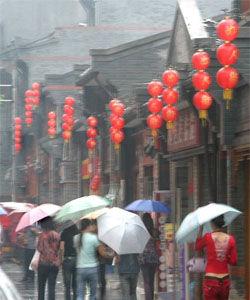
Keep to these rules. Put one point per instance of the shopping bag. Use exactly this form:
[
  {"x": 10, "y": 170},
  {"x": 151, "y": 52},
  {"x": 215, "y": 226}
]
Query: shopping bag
[{"x": 34, "y": 262}]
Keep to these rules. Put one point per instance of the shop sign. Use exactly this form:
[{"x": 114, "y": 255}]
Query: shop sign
[{"x": 186, "y": 133}]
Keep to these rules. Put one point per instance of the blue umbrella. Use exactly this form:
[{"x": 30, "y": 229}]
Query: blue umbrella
[
  {"x": 148, "y": 206},
  {"x": 2, "y": 211}
]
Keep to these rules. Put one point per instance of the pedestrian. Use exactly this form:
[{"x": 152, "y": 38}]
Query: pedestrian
[
  {"x": 49, "y": 261},
  {"x": 148, "y": 260},
  {"x": 220, "y": 252},
  {"x": 87, "y": 246},
  {"x": 128, "y": 269},
  {"x": 68, "y": 253}
]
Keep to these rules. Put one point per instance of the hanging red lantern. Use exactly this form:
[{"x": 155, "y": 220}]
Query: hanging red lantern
[
  {"x": 18, "y": 134},
  {"x": 118, "y": 123},
  {"x": 227, "y": 78},
  {"x": 36, "y": 93},
  {"x": 28, "y": 107},
  {"x": 154, "y": 122},
  {"x": 200, "y": 60},
  {"x": 117, "y": 137},
  {"x": 52, "y": 123},
  {"x": 66, "y": 135},
  {"x": 201, "y": 80},
  {"x": 112, "y": 117},
  {"x": 112, "y": 103},
  {"x": 17, "y": 140},
  {"x": 28, "y": 121},
  {"x": 95, "y": 183},
  {"x": 70, "y": 101},
  {"x": 154, "y": 105},
  {"x": 18, "y": 120},
  {"x": 29, "y": 94},
  {"x": 170, "y": 96},
  {"x": 91, "y": 143},
  {"x": 28, "y": 114},
  {"x": 112, "y": 129},
  {"x": 18, "y": 127},
  {"x": 155, "y": 88},
  {"x": 92, "y": 121},
  {"x": 69, "y": 110},
  {"x": 51, "y": 132},
  {"x": 29, "y": 101},
  {"x": 170, "y": 78},
  {"x": 227, "y": 54},
  {"x": 18, "y": 147},
  {"x": 36, "y": 86},
  {"x": 170, "y": 115},
  {"x": 227, "y": 29},
  {"x": 118, "y": 109},
  {"x": 70, "y": 121},
  {"x": 36, "y": 101},
  {"x": 66, "y": 126},
  {"x": 52, "y": 115},
  {"x": 202, "y": 101},
  {"x": 91, "y": 132}
]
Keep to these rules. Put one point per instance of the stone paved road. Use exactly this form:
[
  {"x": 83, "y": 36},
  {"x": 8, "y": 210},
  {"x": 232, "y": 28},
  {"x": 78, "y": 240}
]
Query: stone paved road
[{"x": 28, "y": 292}]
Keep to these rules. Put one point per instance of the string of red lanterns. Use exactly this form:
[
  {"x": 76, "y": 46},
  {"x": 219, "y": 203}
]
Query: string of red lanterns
[
  {"x": 201, "y": 80},
  {"x": 68, "y": 118},
  {"x": 91, "y": 133},
  {"x": 32, "y": 101},
  {"x": 18, "y": 134},
  {"x": 51, "y": 124},
  {"x": 117, "y": 122},
  {"x": 36, "y": 89},
  {"x": 227, "y": 54}
]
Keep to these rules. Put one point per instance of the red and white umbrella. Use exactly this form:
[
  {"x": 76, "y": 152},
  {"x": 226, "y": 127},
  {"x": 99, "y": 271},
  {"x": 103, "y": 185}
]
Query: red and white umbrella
[{"x": 36, "y": 214}]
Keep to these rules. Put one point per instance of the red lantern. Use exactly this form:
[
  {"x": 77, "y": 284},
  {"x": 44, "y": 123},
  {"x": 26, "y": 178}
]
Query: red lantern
[
  {"x": 154, "y": 122},
  {"x": 18, "y": 120},
  {"x": 29, "y": 100},
  {"x": 91, "y": 144},
  {"x": 112, "y": 103},
  {"x": 112, "y": 129},
  {"x": 51, "y": 132},
  {"x": 92, "y": 121},
  {"x": 28, "y": 114},
  {"x": 36, "y": 86},
  {"x": 52, "y": 123},
  {"x": 154, "y": 105},
  {"x": 118, "y": 109},
  {"x": 170, "y": 96},
  {"x": 18, "y": 148},
  {"x": 91, "y": 133},
  {"x": 18, "y": 127},
  {"x": 28, "y": 121},
  {"x": 169, "y": 114},
  {"x": 36, "y": 93},
  {"x": 69, "y": 110},
  {"x": 117, "y": 137},
  {"x": 66, "y": 126},
  {"x": 155, "y": 88},
  {"x": 70, "y": 121},
  {"x": 28, "y": 107},
  {"x": 95, "y": 183},
  {"x": 227, "y": 54},
  {"x": 112, "y": 117},
  {"x": 18, "y": 140},
  {"x": 201, "y": 80},
  {"x": 36, "y": 101},
  {"x": 66, "y": 135},
  {"x": 227, "y": 29},
  {"x": 118, "y": 123},
  {"x": 227, "y": 78},
  {"x": 202, "y": 101},
  {"x": 70, "y": 101},
  {"x": 170, "y": 78},
  {"x": 29, "y": 94},
  {"x": 52, "y": 115},
  {"x": 200, "y": 60},
  {"x": 18, "y": 134}
]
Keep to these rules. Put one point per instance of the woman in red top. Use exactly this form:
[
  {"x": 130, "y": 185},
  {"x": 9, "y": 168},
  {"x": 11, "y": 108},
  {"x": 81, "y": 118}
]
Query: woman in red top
[
  {"x": 49, "y": 261},
  {"x": 220, "y": 252}
]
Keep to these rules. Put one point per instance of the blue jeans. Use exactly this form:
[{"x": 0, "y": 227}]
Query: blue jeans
[
  {"x": 128, "y": 285},
  {"x": 87, "y": 276}
]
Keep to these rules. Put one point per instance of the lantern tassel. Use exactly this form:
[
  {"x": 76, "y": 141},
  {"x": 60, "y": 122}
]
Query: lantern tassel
[
  {"x": 170, "y": 125},
  {"x": 203, "y": 114},
  {"x": 227, "y": 94},
  {"x": 117, "y": 147}
]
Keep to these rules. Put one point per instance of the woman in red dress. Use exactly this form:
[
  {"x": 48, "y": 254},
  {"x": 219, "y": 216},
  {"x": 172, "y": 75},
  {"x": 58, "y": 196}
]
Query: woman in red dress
[{"x": 220, "y": 252}]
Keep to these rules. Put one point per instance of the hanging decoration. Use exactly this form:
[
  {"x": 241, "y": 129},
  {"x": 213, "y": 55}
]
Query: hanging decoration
[
  {"x": 201, "y": 81},
  {"x": 91, "y": 133},
  {"x": 28, "y": 107},
  {"x": 51, "y": 124},
  {"x": 36, "y": 89},
  {"x": 117, "y": 122},
  {"x": 17, "y": 134},
  {"x": 170, "y": 115},
  {"x": 68, "y": 118},
  {"x": 227, "y": 54}
]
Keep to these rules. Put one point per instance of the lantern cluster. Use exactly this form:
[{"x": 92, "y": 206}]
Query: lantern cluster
[
  {"x": 18, "y": 134},
  {"x": 32, "y": 100},
  {"x": 227, "y": 55},
  {"x": 91, "y": 133},
  {"x": 51, "y": 124},
  {"x": 170, "y": 96},
  {"x": 36, "y": 89},
  {"x": 201, "y": 80},
  {"x": 68, "y": 118},
  {"x": 117, "y": 122},
  {"x": 95, "y": 183}
]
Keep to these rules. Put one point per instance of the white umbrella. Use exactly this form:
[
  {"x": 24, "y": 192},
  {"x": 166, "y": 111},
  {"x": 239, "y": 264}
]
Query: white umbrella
[
  {"x": 122, "y": 231},
  {"x": 188, "y": 229}
]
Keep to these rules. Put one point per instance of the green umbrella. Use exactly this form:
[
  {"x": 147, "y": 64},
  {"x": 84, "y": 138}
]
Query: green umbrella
[{"x": 75, "y": 209}]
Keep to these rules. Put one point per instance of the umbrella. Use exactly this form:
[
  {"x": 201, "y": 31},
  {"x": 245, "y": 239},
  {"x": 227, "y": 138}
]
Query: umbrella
[
  {"x": 16, "y": 205},
  {"x": 2, "y": 211},
  {"x": 188, "y": 229},
  {"x": 148, "y": 206},
  {"x": 36, "y": 214},
  {"x": 96, "y": 214},
  {"x": 76, "y": 209},
  {"x": 122, "y": 231}
]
